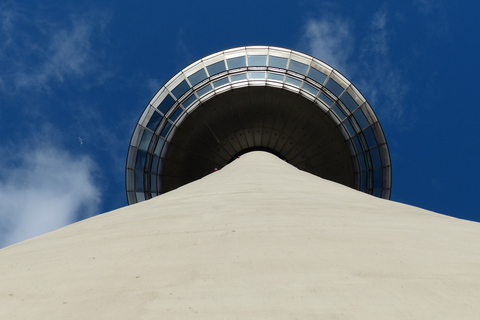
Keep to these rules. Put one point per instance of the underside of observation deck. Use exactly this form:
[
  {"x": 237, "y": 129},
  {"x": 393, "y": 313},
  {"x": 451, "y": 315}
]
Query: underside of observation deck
[{"x": 257, "y": 118}]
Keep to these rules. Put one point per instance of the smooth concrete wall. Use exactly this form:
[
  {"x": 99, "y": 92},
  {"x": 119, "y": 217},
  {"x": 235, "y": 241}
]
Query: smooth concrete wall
[{"x": 258, "y": 239}]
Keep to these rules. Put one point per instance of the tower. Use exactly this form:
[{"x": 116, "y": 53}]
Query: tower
[{"x": 278, "y": 232}]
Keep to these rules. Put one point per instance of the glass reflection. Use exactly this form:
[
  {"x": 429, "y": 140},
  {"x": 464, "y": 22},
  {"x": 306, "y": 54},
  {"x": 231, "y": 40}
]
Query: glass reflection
[
  {"x": 204, "y": 90},
  {"x": 238, "y": 77},
  {"x": 298, "y": 67},
  {"x": 147, "y": 136},
  {"x": 257, "y": 61},
  {"x": 334, "y": 87},
  {"x": 317, "y": 75},
  {"x": 361, "y": 119},
  {"x": 349, "y": 102},
  {"x": 310, "y": 89},
  {"x": 220, "y": 82},
  {"x": 167, "y": 102},
  {"x": 181, "y": 89},
  {"x": 325, "y": 99},
  {"x": 338, "y": 112},
  {"x": 197, "y": 77},
  {"x": 154, "y": 121},
  {"x": 274, "y": 76},
  {"x": 166, "y": 129},
  {"x": 293, "y": 81},
  {"x": 140, "y": 163},
  {"x": 278, "y": 62},
  {"x": 234, "y": 63},
  {"x": 216, "y": 68}
]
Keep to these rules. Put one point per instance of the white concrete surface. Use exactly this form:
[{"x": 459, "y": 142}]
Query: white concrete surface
[{"x": 258, "y": 239}]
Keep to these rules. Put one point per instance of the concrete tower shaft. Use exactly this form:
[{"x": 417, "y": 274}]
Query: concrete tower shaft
[{"x": 258, "y": 239}]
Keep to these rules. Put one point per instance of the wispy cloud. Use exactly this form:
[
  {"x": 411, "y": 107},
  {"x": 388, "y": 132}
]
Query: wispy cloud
[
  {"x": 153, "y": 85},
  {"x": 425, "y": 6},
  {"x": 438, "y": 17},
  {"x": 42, "y": 189},
  {"x": 330, "y": 40},
  {"x": 68, "y": 54},
  {"x": 383, "y": 83},
  {"x": 334, "y": 41},
  {"x": 37, "y": 53},
  {"x": 7, "y": 18},
  {"x": 378, "y": 36}
]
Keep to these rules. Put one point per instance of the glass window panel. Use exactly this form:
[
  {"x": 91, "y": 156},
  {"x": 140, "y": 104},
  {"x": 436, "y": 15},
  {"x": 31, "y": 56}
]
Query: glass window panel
[
  {"x": 140, "y": 196},
  {"x": 159, "y": 146},
  {"x": 378, "y": 178},
  {"x": 204, "y": 90},
  {"x": 310, "y": 89},
  {"x": 197, "y": 77},
  {"x": 349, "y": 102},
  {"x": 147, "y": 136},
  {"x": 237, "y": 62},
  {"x": 177, "y": 113},
  {"x": 334, "y": 87},
  {"x": 376, "y": 159},
  {"x": 256, "y": 75},
  {"x": 154, "y": 121},
  {"x": 377, "y": 193},
  {"x": 154, "y": 163},
  {"x": 364, "y": 180},
  {"x": 131, "y": 197},
  {"x": 160, "y": 165},
  {"x": 274, "y": 76},
  {"x": 216, "y": 68},
  {"x": 361, "y": 159},
  {"x": 238, "y": 77},
  {"x": 166, "y": 104},
  {"x": 361, "y": 119},
  {"x": 325, "y": 99},
  {"x": 159, "y": 185},
  {"x": 139, "y": 181},
  {"x": 370, "y": 137},
  {"x": 278, "y": 62},
  {"x": 298, "y": 67},
  {"x": 140, "y": 163},
  {"x": 339, "y": 112},
  {"x": 317, "y": 75},
  {"x": 166, "y": 129},
  {"x": 153, "y": 182},
  {"x": 293, "y": 81},
  {"x": 220, "y": 82},
  {"x": 257, "y": 61},
  {"x": 181, "y": 89},
  {"x": 357, "y": 144},
  {"x": 189, "y": 101},
  {"x": 349, "y": 127}
]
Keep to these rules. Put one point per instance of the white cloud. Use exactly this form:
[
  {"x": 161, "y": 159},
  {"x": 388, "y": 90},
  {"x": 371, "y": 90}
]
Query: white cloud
[
  {"x": 43, "y": 189},
  {"x": 36, "y": 53},
  {"x": 67, "y": 54},
  {"x": 382, "y": 82},
  {"x": 363, "y": 58},
  {"x": 424, "y": 6},
  {"x": 7, "y": 18},
  {"x": 378, "y": 36},
  {"x": 153, "y": 86},
  {"x": 330, "y": 40}
]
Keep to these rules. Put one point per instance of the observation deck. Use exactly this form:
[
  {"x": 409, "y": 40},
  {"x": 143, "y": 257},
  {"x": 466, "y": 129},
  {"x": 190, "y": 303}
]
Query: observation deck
[{"x": 257, "y": 98}]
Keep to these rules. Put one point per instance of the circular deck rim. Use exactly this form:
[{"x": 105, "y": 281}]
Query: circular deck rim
[{"x": 268, "y": 66}]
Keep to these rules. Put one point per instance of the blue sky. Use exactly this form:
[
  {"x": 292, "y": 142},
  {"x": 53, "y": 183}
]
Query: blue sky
[{"x": 75, "y": 77}]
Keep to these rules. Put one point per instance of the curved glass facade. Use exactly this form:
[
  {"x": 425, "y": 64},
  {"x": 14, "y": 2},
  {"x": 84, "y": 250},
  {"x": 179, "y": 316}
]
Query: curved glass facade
[{"x": 258, "y": 66}]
